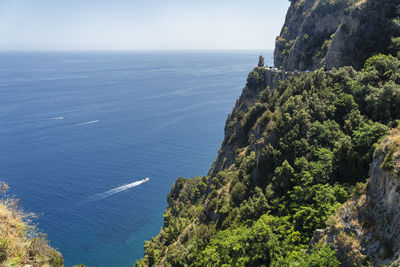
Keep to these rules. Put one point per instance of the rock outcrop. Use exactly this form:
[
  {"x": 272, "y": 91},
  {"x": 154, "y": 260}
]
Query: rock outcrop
[
  {"x": 366, "y": 229},
  {"x": 334, "y": 33}
]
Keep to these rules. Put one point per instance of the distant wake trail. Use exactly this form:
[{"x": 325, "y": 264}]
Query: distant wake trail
[
  {"x": 118, "y": 189},
  {"x": 47, "y": 119},
  {"x": 86, "y": 123},
  {"x": 57, "y": 118}
]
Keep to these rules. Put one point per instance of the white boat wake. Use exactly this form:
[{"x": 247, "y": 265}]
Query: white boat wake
[
  {"x": 57, "y": 118},
  {"x": 118, "y": 189},
  {"x": 86, "y": 123}
]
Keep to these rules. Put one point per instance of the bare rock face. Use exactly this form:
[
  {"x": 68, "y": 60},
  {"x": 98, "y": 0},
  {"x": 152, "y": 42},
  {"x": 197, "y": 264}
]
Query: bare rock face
[
  {"x": 333, "y": 33},
  {"x": 366, "y": 229}
]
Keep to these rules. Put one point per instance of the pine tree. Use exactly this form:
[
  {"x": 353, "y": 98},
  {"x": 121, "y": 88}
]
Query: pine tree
[{"x": 261, "y": 61}]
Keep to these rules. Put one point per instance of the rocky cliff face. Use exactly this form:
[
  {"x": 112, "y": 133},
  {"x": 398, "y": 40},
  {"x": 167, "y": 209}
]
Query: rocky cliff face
[
  {"x": 366, "y": 228},
  {"x": 235, "y": 137},
  {"x": 334, "y": 33}
]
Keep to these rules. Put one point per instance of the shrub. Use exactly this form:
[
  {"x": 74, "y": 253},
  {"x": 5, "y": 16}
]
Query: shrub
[
  {"x": 360, "y": 189},
  {"x": 252, "y": 116},
  {"x": 254, "y": 80}
]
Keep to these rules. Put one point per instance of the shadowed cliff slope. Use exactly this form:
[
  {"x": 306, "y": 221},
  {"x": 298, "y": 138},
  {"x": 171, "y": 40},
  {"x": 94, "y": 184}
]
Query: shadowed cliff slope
[{"x": 236, "y": 136}]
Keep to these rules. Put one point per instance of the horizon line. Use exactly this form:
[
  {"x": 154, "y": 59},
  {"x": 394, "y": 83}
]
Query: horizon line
[{"x": 137, "y": 50}]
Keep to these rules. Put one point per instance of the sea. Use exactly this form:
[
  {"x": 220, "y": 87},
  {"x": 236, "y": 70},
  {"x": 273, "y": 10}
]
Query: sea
[{"x": 81, "y": 131}]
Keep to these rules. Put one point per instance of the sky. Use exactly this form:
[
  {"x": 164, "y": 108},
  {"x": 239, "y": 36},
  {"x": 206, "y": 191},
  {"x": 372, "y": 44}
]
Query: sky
[{"x": 140, "y": 24}]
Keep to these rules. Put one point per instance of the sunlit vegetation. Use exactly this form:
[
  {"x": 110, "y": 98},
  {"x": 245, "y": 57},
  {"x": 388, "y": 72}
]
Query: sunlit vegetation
[
  {"x": 309, "y": 143},
  {"x": 20, "y": 243}
]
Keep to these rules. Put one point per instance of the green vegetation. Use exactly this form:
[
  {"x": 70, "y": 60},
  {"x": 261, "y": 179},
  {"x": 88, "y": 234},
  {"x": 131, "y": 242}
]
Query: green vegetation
[
  {"x": 390, "y": 148},
  {"x": 255, "y": 79},
  {"x": 299, "y": 152},
  {"x": 20, "y": 243},
  {"x": 261, "y": 61},
  {"x": 305, "y": 148}
]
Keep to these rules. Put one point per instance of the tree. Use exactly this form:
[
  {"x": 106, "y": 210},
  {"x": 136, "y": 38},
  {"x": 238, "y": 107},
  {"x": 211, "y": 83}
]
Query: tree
[
  {"x": 395, "y": 46},
  {"x": 254, "y": 80},
  {"x": 261, "y": 61}
]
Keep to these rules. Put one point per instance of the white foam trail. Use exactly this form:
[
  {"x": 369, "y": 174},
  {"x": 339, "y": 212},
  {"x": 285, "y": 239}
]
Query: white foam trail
[
  {"x": 48, "y": 119},
  {"x": 86, "y": 123},
  {"x": 119, "y": 189}
]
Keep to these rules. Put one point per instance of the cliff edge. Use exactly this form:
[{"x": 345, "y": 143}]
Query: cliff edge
[{"x": 235, "y": 135}]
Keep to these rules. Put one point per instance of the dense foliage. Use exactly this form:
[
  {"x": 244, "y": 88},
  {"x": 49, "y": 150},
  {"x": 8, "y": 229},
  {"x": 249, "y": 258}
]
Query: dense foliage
[
  {"x": 305, "y": 145},
  {"x": 308, "y": 143}
]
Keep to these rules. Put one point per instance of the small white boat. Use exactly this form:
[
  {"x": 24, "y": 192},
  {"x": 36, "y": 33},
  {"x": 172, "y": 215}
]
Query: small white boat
[{"x": 146, "y": 180}]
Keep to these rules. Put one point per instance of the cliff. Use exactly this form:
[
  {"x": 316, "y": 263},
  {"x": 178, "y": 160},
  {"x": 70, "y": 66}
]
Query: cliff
[
  {"x": 291, "y": 155},
  {"x": 236, "y": 136},
  {"x": 365, "y": 230},
  {"x": 334, "y": 33},
  {"x": 296, "y": 153}
]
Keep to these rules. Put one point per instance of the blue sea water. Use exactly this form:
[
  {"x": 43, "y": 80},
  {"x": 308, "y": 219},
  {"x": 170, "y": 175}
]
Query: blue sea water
[{"x": 75, "y": 125}]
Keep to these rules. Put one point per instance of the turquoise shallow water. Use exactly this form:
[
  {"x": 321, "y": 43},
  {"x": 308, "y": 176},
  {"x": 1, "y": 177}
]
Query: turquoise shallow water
[{"x": 74, "y": 126}]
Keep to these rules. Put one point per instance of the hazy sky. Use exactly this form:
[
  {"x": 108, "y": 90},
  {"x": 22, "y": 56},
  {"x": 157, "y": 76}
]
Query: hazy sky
[{"x": 140, "y": 24}]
